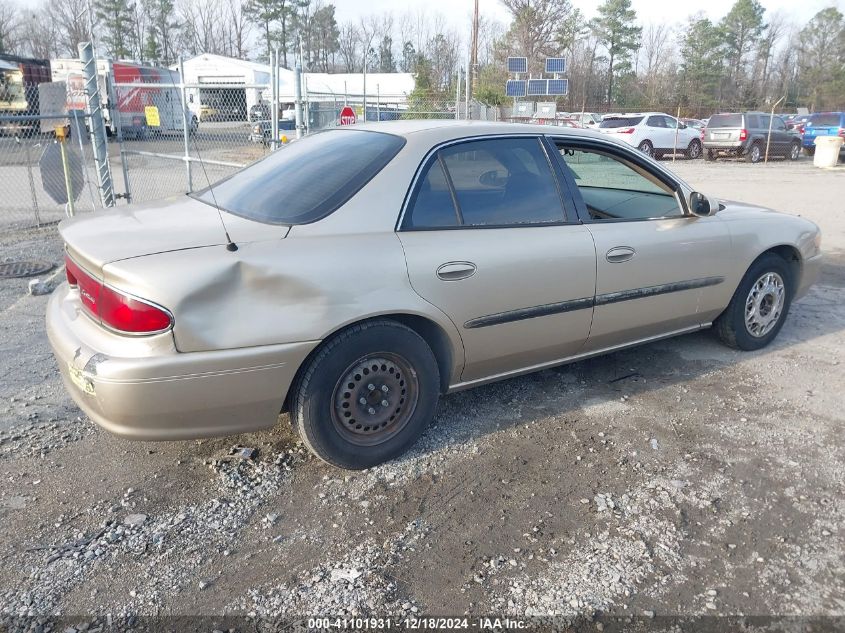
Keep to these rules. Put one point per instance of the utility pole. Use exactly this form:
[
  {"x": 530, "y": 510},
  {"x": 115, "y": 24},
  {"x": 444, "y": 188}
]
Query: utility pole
[{"x": 472, "y": 84}]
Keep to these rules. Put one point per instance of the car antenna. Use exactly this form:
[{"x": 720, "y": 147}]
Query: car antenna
[{"x": 230, "y": 245}]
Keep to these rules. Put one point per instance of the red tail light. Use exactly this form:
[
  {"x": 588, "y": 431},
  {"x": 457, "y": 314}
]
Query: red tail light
[
  {"x": 800, "y": 128},
  {"x": 114, "y": 309},
  {"x": 842, "y": 131},
  {"x": 743, "y": 134},
  {"x": 702, "y": 134},
  {"x": 625, "y": 130}
]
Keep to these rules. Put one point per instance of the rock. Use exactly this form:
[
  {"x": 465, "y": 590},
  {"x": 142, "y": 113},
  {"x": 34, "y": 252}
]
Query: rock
[
  {"x": 349, "y": 575},
  {"x": 648, "y": 614},
  {"x": 134, "y": 520},
  {"x": 654, "y": 443}
]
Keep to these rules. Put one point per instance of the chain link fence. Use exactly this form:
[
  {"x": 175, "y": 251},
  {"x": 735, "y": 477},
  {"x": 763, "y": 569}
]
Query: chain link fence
[
  {"x": 176, "y": 138},
  {"x": 33, "y": 187}
]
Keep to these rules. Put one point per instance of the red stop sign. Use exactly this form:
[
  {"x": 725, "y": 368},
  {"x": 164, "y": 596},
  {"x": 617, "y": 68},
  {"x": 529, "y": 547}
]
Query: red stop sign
[{"x": 347, "y": 116}]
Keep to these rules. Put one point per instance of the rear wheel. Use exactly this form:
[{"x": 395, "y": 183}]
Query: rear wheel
[
  {"x": 646, "y": 148},
  {"x": 366, "y": 395},
  {"x": 809, "y": 151},
  {"x": 759, "y": 306},
  {"x": 709, "y": 155},
  {"x": 794, "y": 151},
  {"x": 694, "y": 149},
  {"x": 754, "y": 153}
]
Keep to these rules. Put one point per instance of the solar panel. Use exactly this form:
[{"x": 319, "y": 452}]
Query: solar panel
[
  {"x": 558, "y": 86},
  {"x": 516, "y": 88},
  {"x": 555, "y": 64},
  {"x": 517, "y": 64},
  {"x": 538, "y": 87}
]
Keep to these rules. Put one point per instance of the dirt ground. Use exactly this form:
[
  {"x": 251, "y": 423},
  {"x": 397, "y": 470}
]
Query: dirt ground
[{"x": 677, "y": 478}]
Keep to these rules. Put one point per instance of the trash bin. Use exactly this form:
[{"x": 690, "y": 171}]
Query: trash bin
[{"x": 827, "y": 150}]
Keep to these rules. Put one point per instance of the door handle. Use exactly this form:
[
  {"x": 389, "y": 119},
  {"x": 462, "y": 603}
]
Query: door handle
[
  {"x": 455, "y": 271},
  {"x": 619, "y": 254}
]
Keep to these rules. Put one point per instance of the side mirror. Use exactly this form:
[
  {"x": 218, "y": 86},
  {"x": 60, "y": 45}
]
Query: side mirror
[
  {"x": 700, "y": 205},
  {"x": 683, "y": 126}
]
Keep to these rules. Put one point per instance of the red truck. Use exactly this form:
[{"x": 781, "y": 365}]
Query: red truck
[{"x": 19, "y": 80}]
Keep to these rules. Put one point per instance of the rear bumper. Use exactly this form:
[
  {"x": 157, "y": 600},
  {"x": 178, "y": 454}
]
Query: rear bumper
[
  {"x": 737, "y": 148},
  {"x": 144, "y": 389},
  {"x": 810, "y": 271}
]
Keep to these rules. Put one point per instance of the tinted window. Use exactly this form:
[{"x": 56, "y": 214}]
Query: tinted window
[
  {"x": 824, "y": 120},
  {"x": 778, "y": 124},
  {"x": 725, "y": 120},
  {"x": 307, "y": 179},
  {"x": 656, "y": 121},
  {"x": 615, "y": 189},
  {"x": 622, "y": 121},
  {"x": 432, "y": 205},
  {"x": 502, "y": 182}
]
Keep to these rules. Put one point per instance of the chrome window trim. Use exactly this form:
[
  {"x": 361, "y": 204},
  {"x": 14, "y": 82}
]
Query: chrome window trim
[{"x": 424, "y": 164}]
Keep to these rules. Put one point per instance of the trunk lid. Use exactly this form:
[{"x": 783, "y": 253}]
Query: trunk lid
[{"x": 97, "y": 239}]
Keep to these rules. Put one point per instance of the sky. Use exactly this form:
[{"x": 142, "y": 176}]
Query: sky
[{"x": 458, "y": 11}]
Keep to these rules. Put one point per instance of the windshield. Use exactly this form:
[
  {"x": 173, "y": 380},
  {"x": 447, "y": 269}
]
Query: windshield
[
  {"x": 830, "y": 119},
  {"x": 621, "y": 121},
  {"x": 725, "y": 120},
  {"x": 306, "y": 180}
]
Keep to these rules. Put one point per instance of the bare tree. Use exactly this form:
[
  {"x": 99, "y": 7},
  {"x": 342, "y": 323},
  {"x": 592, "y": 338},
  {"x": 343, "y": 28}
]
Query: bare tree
[
  {"x": 349, "y": 44},
  {"x": 9, "y": 23},
  {"x": 534, "y": 27}
]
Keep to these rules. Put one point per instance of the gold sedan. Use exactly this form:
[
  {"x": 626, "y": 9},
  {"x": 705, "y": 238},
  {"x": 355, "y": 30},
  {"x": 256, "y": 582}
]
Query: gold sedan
[{"x": 356, "y": 275}]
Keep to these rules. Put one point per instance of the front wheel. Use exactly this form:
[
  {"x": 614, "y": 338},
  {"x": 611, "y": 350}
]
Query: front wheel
[
  {"x": 694, "y": 149},
  {"x": 367, "y": 395},
  {"x": 759, "y": 306},
  {"x": 646, "y": 148}
]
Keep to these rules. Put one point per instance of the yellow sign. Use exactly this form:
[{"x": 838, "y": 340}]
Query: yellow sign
[{"x": 151, "y": 112}]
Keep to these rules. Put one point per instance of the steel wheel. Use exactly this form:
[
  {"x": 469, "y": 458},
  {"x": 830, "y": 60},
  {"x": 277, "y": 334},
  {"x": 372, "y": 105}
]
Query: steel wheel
[
  {"x": 374, "y": 399},
  {"x": 764, "y": 304}
]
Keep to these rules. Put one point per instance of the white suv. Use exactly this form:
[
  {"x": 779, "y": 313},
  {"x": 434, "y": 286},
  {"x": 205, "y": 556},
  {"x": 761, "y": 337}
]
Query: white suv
[{"x": 653, "y": 133}]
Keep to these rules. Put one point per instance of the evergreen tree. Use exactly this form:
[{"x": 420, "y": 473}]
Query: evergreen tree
[
  {"x": 115, "y": 18},
  {"x": 616, "y": 30},
  {"x": 701, "y": 61}
]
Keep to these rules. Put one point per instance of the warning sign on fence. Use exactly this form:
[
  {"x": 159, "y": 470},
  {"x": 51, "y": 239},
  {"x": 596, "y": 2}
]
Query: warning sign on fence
[{"x": 151, "y": 113}]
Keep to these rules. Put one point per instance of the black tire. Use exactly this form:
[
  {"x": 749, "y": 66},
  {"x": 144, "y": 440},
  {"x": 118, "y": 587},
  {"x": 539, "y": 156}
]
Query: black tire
[
  {"x": 731, "y": 327},
  {"x": 646, "y": 148},
  {"x": 809, "y": 151},
  {"x": 709, "y": 155},
  {"x": 330, "y": 385},
  {"x": 754, "y": 153},
  {"x": 694, "y": 149},
  {"x": 794, "y": 151}
]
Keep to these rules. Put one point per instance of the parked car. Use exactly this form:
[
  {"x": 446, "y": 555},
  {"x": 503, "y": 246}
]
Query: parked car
[
  {"x": 796, "y": 122},
  {"x": 444, "y": 255},
  {"x": 697, "y": 124},
  {"x": 261, "y": 130},
  {"x": 653, "y": 133},
  {"x": 587, "y": 119},
  {"x": 822, "y": 124},
  {"x": 746, "y": 134},
  {"x": 259, "y": 112}
]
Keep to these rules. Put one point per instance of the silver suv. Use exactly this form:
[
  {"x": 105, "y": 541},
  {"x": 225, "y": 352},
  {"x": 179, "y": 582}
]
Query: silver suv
[{"x": 746, "y": 134}]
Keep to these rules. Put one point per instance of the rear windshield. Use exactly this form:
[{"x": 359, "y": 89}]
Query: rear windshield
[
  {"x": 622, "y": 121},
  {"x": 824, "y": 120},
  {"x": 725, "y": 120},
  {"x": 306, "y": 180}
]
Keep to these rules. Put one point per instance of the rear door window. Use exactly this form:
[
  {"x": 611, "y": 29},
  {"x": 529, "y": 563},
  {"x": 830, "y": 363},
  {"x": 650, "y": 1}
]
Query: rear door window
[
  {"x": 725, "y": 120},
  {"x": 306, "y": 180},
  {"x": 496, "y": 182},
  {"x": 656, "y": 121}
]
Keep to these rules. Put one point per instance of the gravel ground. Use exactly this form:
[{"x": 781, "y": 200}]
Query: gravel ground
[{"x": 678, "y": 478}]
